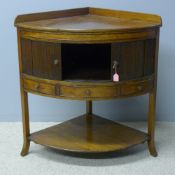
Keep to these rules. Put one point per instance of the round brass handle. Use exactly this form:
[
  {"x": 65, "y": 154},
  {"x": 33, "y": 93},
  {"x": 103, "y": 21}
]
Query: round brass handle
[
  {"x": 87, "y": 92},
  {"x": 37, "y": 86},
  {"x": 56, "y": 61},
  {"x": 57, "y": 90}
]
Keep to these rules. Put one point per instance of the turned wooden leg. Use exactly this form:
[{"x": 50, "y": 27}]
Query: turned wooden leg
[
  {"x": 151, "y": 123},
  {"x": 25, "y": 123}
]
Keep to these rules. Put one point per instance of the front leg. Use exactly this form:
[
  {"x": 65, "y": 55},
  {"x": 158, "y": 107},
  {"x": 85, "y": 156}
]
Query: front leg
[
  {"x": 151, "y": 123},
  {"x": 25, "y": 123}
]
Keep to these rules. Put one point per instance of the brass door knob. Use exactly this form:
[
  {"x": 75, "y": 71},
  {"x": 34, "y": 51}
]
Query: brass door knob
[
  {"x": 57, "y": 90},
  {"x": 36, "y": 86},
  {"x": 56, "y": 61}
]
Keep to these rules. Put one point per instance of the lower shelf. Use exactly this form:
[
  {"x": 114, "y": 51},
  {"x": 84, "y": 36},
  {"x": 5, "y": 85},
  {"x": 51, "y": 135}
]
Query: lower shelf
[{"x": 89, "y": 134}]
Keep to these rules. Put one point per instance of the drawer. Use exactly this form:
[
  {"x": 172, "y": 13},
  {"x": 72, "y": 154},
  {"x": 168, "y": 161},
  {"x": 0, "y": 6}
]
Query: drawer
[
  {"x": 39, "y": 87},
  {"x": 91, "y": 91},
  {"x": 134, "y": 88},
  {"x": 88, "y": 91}
]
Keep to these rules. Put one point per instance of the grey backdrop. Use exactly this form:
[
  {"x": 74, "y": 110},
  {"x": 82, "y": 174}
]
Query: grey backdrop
[{"x": 46, "y": 109}]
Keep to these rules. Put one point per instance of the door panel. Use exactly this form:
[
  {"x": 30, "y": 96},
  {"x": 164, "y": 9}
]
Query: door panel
[
  {"x": 135, "y": 59},
  {"x": 42, "y": 59},
  {"x": 150, "y": 47},
  {"x": 131, "y": 60},
  {"x": 26, "y": 55},
  {"x": 46, "y": 60}
]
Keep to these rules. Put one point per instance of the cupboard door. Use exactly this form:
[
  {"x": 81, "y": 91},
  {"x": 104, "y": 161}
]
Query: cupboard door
[
  {"x": 26, "y": 55},
  {"x": 135, "y": 59},
  {"x": 131, "y": 60},
  {"x": 150, "y": 49},
  {"x": 46, "y": 60}
]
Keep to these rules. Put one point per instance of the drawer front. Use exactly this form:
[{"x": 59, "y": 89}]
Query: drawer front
[
  {"x": 87, "y": 92},
  {"x": 39, "y": 87},
  {"x": 134, "y": 88}
]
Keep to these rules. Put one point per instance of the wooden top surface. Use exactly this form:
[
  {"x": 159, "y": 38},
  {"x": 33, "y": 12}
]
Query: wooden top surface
[{"x": 87, "y": 20}]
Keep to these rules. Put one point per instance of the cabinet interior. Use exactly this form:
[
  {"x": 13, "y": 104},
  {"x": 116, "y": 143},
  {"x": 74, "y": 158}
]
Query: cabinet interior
[{"x": 86, "y": 61}]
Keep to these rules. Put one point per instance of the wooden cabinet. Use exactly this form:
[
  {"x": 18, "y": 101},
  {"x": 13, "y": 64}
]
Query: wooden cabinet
[
  {"x": 70, "y": 54},
  {"x": 85, "y": 61}
]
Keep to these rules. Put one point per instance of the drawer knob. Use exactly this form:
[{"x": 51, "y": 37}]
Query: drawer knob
[
  {"x": 140, "y": 88},
  {"x": 37, "y": 86},
  {"x": 56, "y": 61},
  {"x": 87, "y": 92},
  {"x": 57, "y": 89}
]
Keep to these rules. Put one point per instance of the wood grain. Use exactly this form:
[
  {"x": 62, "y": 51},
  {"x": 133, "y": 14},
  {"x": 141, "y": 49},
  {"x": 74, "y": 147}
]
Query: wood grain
[
  {"x": 88, "y": 37},
  {"x": 88, "y": 90},
  {"x": 24, "y": 103},
  {"x": 50, "y": 15},
  {"x": 88, "y": 19},
  {"x": 89, "y": 136},
  {"x": 26, "y": 56},
  {"x": 149, "y": 61},
  {"x": 88, "y": 25},
  {"x": 46, "y": 60},
  {"x": 130, "y": 38},
  {"x": 152, "y": 105},
  {"x": 135, "y": 59}
]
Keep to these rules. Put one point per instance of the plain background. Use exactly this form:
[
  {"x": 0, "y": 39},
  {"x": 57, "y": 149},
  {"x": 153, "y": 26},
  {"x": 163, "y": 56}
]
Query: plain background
[{"x": 47, "y": 109}]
